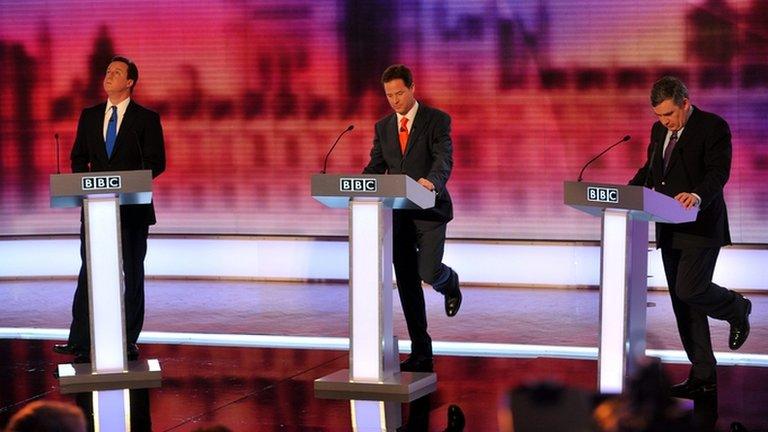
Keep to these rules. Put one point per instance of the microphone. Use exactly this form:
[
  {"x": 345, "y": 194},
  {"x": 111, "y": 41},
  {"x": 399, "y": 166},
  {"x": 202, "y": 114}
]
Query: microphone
[
  {"x": 138, "y": 147},
  {"x": 325, "y": 162},
  {"x": 649, "y": 174},
  {"x": 58, "y": 167},
  {"x": 626, "y": 138}
]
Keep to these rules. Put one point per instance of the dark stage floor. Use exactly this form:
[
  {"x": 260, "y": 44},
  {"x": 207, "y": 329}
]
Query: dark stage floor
[
  {"x": 250, "y": 389},
  {"x": 262, "y": 389}
]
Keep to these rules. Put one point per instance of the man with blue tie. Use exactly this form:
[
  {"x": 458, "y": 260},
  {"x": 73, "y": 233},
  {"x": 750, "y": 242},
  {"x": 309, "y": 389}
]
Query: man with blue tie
[{"x": 117, "y": 135}]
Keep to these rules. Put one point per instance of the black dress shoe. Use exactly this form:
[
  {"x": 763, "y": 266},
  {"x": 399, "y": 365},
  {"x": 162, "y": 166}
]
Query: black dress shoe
[
  {"x": 737, "y": 427},
  {"x": 740, "y": 328},
  {"x": 692, "y": 388},
  {"x": 453, "y": 297},
  {"x": 456, "y": 419},
  {"x": 133, "y": 351},
  {"x": 82, "y": 358},
  {"x": 417, "y": 364},
  {"x": 65, "y": 349}
]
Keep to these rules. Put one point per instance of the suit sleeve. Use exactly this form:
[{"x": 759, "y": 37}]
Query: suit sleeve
[
  {"x": 717, "y": 163},
  {"x": 153, "y": 145},
  {"x": 441, "y": 148},
  {"x": 79, "y": 157},
  {"x": 377, "y": 164}
]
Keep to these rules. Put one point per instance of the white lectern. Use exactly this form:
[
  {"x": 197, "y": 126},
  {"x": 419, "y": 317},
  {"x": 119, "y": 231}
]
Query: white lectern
[
  {"x": 109, "y": 374},
  {"x": 625, "y": 212},
  {"x": 373, "y": 373}
]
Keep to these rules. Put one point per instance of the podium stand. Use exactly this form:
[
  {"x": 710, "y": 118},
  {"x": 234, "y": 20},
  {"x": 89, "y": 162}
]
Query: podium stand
[
  {"x": 109, "y": 374},
  {"x": 625, "y": 212},
  {"x": 373, "y": 373}
]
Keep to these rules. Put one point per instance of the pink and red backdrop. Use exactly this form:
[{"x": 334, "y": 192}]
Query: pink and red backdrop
[{"x": 252, "y": 94}]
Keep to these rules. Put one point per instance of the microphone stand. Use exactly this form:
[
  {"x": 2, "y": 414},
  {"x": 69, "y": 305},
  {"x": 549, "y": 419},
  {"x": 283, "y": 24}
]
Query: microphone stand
[{"x": 581, "y": 173}]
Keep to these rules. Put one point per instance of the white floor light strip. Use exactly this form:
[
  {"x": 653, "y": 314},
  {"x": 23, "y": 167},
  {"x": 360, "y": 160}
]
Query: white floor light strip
[{"x": 469, "y": 349}]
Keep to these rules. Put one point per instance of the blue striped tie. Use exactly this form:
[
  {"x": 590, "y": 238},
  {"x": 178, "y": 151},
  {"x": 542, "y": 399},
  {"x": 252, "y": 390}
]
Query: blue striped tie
[{"x": 111, "y": 131}]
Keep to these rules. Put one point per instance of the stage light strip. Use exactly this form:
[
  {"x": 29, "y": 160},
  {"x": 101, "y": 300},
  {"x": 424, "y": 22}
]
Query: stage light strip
[{"x": 464, "y": 349}]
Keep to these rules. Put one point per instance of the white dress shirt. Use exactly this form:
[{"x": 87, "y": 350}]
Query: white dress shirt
[
  {"x": 121, "y": 107},
  {"x": 410, "y": 115}
]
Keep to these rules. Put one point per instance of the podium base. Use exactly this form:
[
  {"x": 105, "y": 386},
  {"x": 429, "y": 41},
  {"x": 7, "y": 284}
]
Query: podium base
[
  {"x": 402, "y": 387},
  {"x": 79, "y": 377}
]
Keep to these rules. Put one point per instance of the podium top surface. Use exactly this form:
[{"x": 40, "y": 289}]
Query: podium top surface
[
  {"x": 644, "y": 203},
  {"x": 131, "y": 187},
  {"x": 397, "y": 191}
]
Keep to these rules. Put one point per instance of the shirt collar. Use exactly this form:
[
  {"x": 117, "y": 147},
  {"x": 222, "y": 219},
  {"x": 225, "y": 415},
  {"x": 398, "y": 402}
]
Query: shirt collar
[
  {"x": 121, "y": 107},
  {"x": 410, "y": 115}
]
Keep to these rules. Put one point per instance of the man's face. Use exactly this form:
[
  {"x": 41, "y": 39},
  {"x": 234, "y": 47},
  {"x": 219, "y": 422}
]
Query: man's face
[
  {"x": 399, "y": 96},
  {"x": 116, "y": 79},
  {"x": 671, "y": 115}
]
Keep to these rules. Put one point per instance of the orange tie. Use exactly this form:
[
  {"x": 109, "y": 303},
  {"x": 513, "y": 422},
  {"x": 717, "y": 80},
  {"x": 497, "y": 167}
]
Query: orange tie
[{"x": 403, "y": 134}]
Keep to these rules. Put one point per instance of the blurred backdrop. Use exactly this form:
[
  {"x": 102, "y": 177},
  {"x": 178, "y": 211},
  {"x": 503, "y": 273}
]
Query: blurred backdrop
[{"x": 253, "y": 92}]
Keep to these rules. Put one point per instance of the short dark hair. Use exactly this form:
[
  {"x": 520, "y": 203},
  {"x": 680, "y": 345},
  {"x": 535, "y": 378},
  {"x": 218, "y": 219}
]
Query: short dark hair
[
  {"x": 668, "y": 87},
  {"x": 398, "y": 71},
  {"x": 133, "y": 70},
  {"x": 48, "y": 416}
]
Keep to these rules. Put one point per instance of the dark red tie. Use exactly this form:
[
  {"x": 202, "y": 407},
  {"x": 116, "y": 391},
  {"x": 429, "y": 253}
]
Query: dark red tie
[
  {"x": 668, "y": 150},
  {"x": 403, "y": 134}
]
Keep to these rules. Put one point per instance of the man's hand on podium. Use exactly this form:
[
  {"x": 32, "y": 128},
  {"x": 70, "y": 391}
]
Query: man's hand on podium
[
  {"x": 426, "y": 183},
  {"x": 688, "y": 200}
]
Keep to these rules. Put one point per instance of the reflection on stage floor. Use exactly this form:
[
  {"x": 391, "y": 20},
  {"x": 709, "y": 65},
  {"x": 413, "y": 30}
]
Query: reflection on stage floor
[{"x": 259, "y": 389}]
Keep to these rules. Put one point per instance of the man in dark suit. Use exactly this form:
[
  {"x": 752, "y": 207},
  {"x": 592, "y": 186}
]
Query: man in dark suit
[
  {"x": 117, "y": 135},
  {"x": 416, "y": 140},
  {"x": 689, "y": 158}
]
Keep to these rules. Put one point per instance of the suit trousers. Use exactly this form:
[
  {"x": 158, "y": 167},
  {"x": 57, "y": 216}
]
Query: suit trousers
[
  {"x": 417, "y": 255},
  {"x": 134, "y": 248},
  {"x": 694, "y": 298}
]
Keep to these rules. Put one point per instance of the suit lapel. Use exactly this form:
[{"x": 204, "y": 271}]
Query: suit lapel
[
  {"x": 419, "y": 123},
  {"x": 392, "y": 129},
  {"x": 658, "y": 155},
  {"x": 685, "y": 137},
  {"x": 123, "y": 134},
  {"x": 97, "y": 129}
]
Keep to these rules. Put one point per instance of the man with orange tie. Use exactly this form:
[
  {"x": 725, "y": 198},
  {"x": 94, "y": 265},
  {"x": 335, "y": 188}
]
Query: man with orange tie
[{"x": 416, "y": 140}]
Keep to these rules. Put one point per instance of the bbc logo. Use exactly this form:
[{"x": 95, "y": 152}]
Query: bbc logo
[
  {"x": 357, "y": 185},
  {"x": 101, "y": 182},
  {"x": 602, "y": 194}
]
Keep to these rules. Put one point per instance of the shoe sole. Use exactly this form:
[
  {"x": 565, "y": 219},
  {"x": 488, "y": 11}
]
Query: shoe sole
[
  {"x": 695, "y": 395},
  {"x": 64, "y": 351}
]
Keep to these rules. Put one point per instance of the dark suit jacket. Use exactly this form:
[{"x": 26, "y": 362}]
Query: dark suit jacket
[
  {"x": 700, "y": 163},
  {"x": 140, "y": 128},
  {"x": 428, "y": 154}
]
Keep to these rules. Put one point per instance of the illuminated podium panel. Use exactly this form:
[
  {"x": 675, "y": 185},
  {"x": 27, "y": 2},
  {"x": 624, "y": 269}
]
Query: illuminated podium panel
[
  {"x": 625, "y": 212},
  {"x": 373, "y": 372},
  {"x": 109, "y": 374}
]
